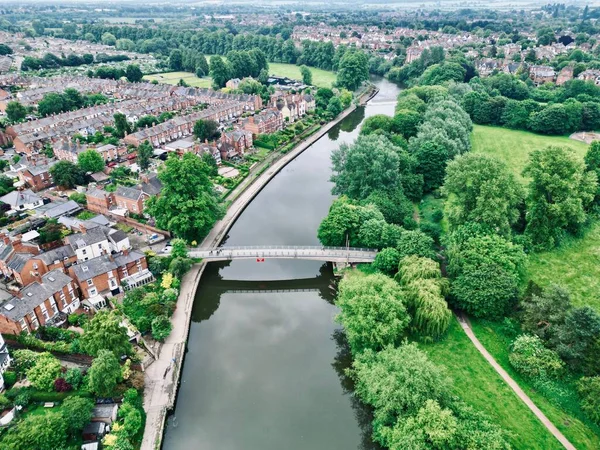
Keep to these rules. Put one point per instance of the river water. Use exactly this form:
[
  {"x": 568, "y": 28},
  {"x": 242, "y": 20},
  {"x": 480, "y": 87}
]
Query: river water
[{"x": 265, "y": 363}]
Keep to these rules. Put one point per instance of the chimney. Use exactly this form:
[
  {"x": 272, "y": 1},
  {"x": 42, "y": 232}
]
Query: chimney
[
  {"x": 5, "y": 238},
  {"x": 17, "y": 245},
  {"x": 125, "y": 251},
  {"x": 82, "y": 228}
]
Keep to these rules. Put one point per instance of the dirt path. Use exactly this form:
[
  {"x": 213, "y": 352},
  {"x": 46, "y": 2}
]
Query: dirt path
[{"x": 464, "y": 322}]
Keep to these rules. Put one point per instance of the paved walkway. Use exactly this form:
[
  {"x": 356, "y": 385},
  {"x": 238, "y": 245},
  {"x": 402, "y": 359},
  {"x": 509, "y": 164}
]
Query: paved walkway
[{"x": 464, "y": 322}]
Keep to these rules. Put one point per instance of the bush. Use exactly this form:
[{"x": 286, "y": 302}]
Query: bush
[
  {"x": 589, "y": 391},
  {"x": 74, "y": 377},
  {"x": 10, "y": 378},
  {"x": 530, "y": 358},
  {"x": 4, "y": 402},
  {"x": 60, "y": 385},
  {"x": 161, "y": 328}
]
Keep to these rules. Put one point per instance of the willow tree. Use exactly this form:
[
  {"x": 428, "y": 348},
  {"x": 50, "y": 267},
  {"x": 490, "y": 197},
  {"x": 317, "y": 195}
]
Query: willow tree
[{"x": 425, "y": 290}]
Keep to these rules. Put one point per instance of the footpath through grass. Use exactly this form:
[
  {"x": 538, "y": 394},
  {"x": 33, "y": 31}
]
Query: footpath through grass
[
  {"x": 321, "y": 78},
  {"x": 476, "y": 382},
  {"x": 513, "y": 146},
  {"x": 560, "y": 405}
]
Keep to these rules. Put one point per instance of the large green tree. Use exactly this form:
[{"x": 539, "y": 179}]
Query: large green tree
[
  {"x": 52, "y": 103},
  {"x": 122, "y": 127},
  {"x": 67, "y": 175},
  {"x": 77, "y": 412},
  {"x": 144, "y": 153},
  {"x": 43, "y": 432},
  {"x": 371, "y": 310},
  {"x": 43, "y": 373},
  {"x": 90, "y": 161},
  {"x": 206, "y": 130},
  {"x": 370, "y": 164},
  {"x": 353, "y": 69},
  {"x": 219, "y": 71},
  {"x": 482, "y": 189},
  {"x": 104, "y": 374},
  {"x": 104, "y": 332},
  {"x": 134, "y": 73},
  {"x": 188, "y": 205},
  {"x": 559, "y": 193},
  {"x": 15, "y": 111},
  {"x": 306, "y": 75}
]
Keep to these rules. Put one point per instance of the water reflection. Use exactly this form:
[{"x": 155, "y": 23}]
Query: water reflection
[{"x": 362, "y": 412}]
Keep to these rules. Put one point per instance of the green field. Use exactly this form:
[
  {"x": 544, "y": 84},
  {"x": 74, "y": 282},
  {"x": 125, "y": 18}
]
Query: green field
[
  {"x": 513, "y": 147},
  {"x": 476, "y": 382},
  {"x": 575, "y": 264},
  {"x": 321, "y": 78},
  {"x": 567, "y": 416},
  {"x": 174, "y": 77}
]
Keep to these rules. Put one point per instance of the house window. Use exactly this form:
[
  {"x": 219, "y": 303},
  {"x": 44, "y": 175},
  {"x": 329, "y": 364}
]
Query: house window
[
  {"x": 22, "y": 324},
  {"x": 93, "y": 292},
  {"x": 90, "y": 282},
  {"x": 100, "y": 246},
  {"x": 83, "y": 251},
  {"x": 44, "y": 312}
]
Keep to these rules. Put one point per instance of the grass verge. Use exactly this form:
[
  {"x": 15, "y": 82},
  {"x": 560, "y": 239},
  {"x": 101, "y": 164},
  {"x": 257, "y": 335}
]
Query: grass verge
[
  {"x": 476, "y": 382},
  {"x": 513, "y": 146},
  {"x": 561, "y": 407}
]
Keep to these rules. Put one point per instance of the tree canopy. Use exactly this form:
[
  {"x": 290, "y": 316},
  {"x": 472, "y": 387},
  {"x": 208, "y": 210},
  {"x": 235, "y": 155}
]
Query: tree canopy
[
  {"x": 188, "y": 205},
  {"x": 90, "y": 161},
  {"x": 67, "y": 175}
]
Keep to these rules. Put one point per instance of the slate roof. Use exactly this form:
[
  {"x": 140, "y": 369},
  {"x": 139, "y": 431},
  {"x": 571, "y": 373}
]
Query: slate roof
[
  {"x": 5, "y": 251},
  {"x": 56, "y": 254},
  {"x": 18, "y": 261},
  {"x": 132, "y": 256},
  {"x": 94, "y": 267},
  {"x": 90, "y": 237},
  {"x": 34, "y": 294},
  {"x": 153, "y": 186},
  {"x": 127, "y": 192},
  {"x": 64, "y": 208},
  {"x": 118, "y": 236},
  {"x": 18, "y": 198}
]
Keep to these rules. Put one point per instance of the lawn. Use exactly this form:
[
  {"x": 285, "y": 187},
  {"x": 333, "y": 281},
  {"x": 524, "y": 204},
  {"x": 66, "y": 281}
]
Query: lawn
[
  {"x": 321, "y": 78},
  {"x": 174, "y": 77},
  {"x": 513, "y": 147},
  {"x": 564, "y": 412},
  {"x": 476, "y": 382},
  {"x": 575, "y": 264}
]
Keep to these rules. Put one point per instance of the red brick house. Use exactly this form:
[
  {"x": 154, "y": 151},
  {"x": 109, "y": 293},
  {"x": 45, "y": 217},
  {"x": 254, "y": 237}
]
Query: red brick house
[
  {"x": 267, "y": 121},
  {"x": 46, "y": 301},
  {"x": 37, "y": 176},
  {"x": 99, "y": 201},
  {"x": 27, "y": 268}
]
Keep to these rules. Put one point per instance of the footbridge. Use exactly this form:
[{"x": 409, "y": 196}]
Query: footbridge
[{"x": 261, "y": 253}]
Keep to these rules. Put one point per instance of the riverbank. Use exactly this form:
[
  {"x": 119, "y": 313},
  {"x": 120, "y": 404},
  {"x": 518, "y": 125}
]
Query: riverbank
[{"x": 162, "y": 376}]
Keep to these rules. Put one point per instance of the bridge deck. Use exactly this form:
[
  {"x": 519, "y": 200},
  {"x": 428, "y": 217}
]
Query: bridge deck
[{"x": 330, "y": 254}]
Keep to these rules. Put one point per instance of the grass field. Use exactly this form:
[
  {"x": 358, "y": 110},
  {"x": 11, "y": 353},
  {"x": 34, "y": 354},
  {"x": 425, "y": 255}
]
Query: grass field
[
  {"x": 575, "y": 264},
  {"x": 321, "y": 78},
  {"x": 476, "y": 382},
  {"x": 513, "y": 147},
  {"x": 567, "y": 416},
  {"x": 174, "y": 77}
]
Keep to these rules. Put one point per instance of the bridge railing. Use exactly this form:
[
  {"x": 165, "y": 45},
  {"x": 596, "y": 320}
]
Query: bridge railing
[{"x": 285, "y": 247}]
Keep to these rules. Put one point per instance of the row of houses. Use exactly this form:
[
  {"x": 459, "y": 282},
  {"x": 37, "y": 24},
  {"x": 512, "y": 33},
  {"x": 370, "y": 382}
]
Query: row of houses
[{"x": 92, "y": 264}]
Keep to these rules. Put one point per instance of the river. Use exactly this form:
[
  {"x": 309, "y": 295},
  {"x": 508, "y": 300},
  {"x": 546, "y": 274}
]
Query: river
[{"x": 265, "y": 363}]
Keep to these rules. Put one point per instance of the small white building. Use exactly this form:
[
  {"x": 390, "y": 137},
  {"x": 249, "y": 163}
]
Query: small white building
[{"x": 22, "y": 200}]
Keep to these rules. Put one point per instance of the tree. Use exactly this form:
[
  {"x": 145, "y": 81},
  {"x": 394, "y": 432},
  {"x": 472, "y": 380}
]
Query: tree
[
  {"x": 104, "y": 332},
  {"x": 67, "y": 175},
  {"x": 559, "y": 193},
  {"x": 481, "y": 189},
  {"x": 372, "y": 311},
  {"x": 161, "y": 328},
  {"x": 72, "y": 99},
  {"x": 43, "y": 373},
  {"x": 353, "y": 70},
  {"x": 90, "y": 161},
  {"x": 406, "y": 122},
  {"x": 180, "y": 266},
  {"x": 486, "y": 270},
  {"x": 415, "y": 242},
  {"x": 52, "y": 103},
  {"x": 206, "y": 130},
  {"x": 179, "y": 248},
  {"x": 306, "y": 75},
  {"x": 77, "y": 413},
  {"x": 544, "y": 312},
  {"x": 589, "y": 392},
  {"x": 211, "y": 163},
  {"x": 531, "y": 359},
  {"x": 219, "y": 71},
  {"x": 344, "y": 222},
  {"x": 176, "y": 60},
  {"x": 395, "y": 207},
  {"x": 109, "y": 39},
  {"x": 42, "y": 432},
  {"x": 387, "y": 261},
  {"x": 144, "y": 153},
  {"x": 134, "y": 73},
  {"x": 104, "y": 374},
  {"x": 592, "y": 164},
  {"x": 425, "y": 290},
  {"x": 121, "y": 125},
  {"x": 334, "y": 107},
  {"x": 577, "y": 342},
  {"x": 15, "y": 111},
  {"x": 188, "y": 205},
  {"x": 370, "y": 164}
]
